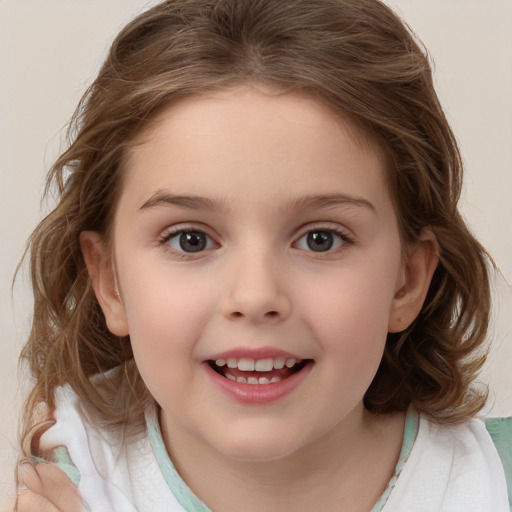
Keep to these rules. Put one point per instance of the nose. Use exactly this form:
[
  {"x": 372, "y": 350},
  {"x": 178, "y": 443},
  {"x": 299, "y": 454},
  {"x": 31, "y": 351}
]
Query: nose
[{"x": 257, "y": 290}]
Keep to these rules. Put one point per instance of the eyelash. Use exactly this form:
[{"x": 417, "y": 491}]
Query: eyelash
[
  {"x": 169, "y": 235},
  {"x": 341, "y": 235}
]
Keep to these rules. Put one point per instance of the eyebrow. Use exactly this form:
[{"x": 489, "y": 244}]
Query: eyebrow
[
  {"x": 308, "y": 202},
  {"x": 191, "y": 202},
  {"x": 331, "y": 200}
]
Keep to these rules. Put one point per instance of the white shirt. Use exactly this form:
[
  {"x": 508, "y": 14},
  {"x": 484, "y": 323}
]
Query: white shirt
[{"x": 441, "y": 468}]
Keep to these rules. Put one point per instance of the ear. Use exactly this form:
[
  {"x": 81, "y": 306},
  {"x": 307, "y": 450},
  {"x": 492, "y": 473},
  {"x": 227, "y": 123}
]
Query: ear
[
  {"x": 104, "y": 281},
  {"x": 419, "y": 265}
]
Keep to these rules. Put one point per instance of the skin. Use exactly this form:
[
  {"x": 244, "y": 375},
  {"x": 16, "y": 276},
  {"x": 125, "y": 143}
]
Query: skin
[
  {"x": 263, "y": 164},
  {"x": 45, "y": 488}
]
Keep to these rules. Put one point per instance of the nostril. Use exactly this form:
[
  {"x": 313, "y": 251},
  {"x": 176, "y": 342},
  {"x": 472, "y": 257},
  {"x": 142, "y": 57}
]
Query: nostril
[{"x": 268, "y": 314}]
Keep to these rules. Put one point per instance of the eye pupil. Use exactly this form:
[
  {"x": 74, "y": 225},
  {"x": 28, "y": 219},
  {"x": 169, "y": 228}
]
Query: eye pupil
[
  {"x": 320, "y": 241},
  {"x": 193, "y": 241}
]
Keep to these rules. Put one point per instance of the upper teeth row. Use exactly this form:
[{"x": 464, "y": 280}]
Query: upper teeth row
[{"x": 260, "y": 365}]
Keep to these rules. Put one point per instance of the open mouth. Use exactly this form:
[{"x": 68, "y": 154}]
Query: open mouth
[{"x": 258, "y": 371}]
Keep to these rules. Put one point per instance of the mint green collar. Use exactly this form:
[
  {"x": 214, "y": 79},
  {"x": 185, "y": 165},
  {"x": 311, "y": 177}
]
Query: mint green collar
[{"x": 191, "y": 503}]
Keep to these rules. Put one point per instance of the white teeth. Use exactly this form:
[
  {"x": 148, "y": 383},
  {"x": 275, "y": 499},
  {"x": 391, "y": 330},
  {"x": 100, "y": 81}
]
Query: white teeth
[
  {"x": 253, "y": 380},
  {"x": 279, "y": 362},
  {"x": 264, "y": 365},
  {"x": 246, "y": 364}
]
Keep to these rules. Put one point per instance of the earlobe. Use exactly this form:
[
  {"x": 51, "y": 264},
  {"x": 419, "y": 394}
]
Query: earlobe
[
  {"x": 418, "y": 268},
  {"x": 104, "y": 281}
]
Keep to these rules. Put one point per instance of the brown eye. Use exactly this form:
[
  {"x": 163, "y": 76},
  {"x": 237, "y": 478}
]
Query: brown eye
[
  {"x": 320, "y": 241},
  {"x": 189, "y": 241},
  {"x": 193, "y": 241}
]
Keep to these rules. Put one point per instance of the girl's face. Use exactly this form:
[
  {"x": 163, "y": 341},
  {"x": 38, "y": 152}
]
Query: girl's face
[{"x": 260, "y": 268}]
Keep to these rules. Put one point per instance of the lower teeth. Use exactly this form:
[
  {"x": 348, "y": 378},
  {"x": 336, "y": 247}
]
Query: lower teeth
[{"x": 253, "y": 380}]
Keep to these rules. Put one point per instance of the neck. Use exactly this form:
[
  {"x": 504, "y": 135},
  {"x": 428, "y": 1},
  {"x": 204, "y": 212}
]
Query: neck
[{"x": 351, "y": 464}]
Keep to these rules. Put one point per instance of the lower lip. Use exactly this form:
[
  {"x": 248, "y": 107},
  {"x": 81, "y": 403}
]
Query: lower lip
[{"x": 258, "y": 394}]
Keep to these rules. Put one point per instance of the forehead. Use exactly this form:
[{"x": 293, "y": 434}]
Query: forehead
[
  {"x": 234, "y": 140},
  {"x": 244, "y": 99}
]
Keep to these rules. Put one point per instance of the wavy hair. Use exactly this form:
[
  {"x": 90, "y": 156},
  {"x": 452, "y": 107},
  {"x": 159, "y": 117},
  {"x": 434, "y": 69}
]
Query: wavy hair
[{"x": 355, "y": 56}]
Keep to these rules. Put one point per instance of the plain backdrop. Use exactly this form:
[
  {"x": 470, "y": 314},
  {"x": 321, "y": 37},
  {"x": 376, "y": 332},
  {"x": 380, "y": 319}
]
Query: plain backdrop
[{"x": 50, "y": 51}]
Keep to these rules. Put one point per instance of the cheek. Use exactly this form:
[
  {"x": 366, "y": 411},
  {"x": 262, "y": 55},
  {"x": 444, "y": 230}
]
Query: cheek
[
  {"x": 350, "y": 313},
  {"x": 165, "y": 313},
  {"x": 354, "y": 303},
  {"x": 351, "y": 333},
  {"x": 165, "y": 323}
]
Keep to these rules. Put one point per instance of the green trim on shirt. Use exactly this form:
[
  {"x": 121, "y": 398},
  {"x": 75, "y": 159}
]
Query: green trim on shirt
[
  {"x": 186, "y": 498},
  {"x": 410, "y": 432},
  {"x": 191, "y": 503},
  {"x": 60, "y": 456},
  {"x": 500, "y": 430}
]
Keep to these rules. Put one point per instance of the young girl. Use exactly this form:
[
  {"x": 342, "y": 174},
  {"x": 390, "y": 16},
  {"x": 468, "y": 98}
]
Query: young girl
[{"x": 256, "y": 291}]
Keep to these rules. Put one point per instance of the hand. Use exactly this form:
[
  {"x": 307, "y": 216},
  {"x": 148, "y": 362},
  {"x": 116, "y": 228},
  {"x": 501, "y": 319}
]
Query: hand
[{"x": 46, "y": 488}]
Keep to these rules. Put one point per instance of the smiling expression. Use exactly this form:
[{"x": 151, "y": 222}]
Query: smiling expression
[{"x": 260, "y": 268}]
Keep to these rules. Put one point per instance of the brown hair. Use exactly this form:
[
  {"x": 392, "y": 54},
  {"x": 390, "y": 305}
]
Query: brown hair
[{"x": 355, "y": 56}]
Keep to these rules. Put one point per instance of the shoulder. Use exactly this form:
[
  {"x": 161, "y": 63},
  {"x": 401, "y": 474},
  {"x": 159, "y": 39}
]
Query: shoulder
[
  {"x": 500, "y": 430},
  {"x": 111, "y": 472},
  {"x": 451, "y": 468},
  {"x": 87, "y": 443},
  {"x": 83, "y": 450}
]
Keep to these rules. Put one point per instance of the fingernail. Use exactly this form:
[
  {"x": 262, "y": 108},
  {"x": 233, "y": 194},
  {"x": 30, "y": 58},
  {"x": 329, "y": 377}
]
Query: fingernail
[
  {"x": 21, "y": 470},
  {"x": 21, "y": 487}
]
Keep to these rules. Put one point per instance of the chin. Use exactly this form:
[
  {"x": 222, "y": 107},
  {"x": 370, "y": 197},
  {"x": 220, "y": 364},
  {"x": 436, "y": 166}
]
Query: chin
[{"x": 258, "y": 448}]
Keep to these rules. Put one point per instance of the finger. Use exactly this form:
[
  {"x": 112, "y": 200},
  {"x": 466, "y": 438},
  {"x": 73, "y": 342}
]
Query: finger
[
  {"x": 29, "y": 501},
  {"x": 57, "y": 487},
  {"x": 49, "y": 483},
  {"x": 28, "y": 478}
]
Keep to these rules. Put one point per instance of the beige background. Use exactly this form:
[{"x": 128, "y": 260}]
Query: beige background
[{"x": 50, "y": 49}]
